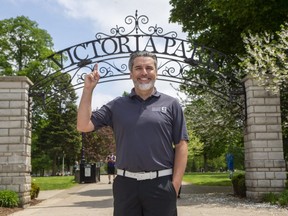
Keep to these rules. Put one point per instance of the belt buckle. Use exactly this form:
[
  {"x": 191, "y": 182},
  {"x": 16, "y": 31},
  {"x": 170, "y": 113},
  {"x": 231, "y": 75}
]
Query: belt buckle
[
  {"x": 146, "y": 176},
  {"x": 141, "y": 176},
  {"x": 151, "y": 175}
]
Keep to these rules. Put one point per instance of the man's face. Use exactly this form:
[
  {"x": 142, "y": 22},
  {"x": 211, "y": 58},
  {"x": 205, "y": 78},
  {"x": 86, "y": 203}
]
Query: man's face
[{"x": 144, "y": 73}]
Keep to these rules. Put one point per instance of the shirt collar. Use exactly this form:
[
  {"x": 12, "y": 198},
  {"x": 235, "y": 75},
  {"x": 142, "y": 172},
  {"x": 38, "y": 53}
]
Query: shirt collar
[{"x": 133, "y": 93}]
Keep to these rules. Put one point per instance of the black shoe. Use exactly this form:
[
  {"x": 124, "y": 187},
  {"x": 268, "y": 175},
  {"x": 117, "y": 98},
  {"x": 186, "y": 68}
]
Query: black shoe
[{"x": 109, "y": 182}]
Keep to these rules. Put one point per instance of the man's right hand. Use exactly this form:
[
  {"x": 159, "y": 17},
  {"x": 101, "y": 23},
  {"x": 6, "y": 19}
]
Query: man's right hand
[
  {"x": 84, "y": 123},
  {"x": 92, "y": 79}
]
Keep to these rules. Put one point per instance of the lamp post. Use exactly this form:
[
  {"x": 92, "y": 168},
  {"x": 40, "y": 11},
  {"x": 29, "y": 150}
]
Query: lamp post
[
  {"x": 81, "y": 64},
  {"x": 63, "y": 164},
  {"x": 83, "y": 148}
]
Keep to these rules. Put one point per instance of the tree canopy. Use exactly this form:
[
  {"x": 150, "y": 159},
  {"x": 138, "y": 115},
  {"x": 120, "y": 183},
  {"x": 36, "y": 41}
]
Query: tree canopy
[
  {"x": 266, "y": 58},
  {"x": 23, "y": 52},
  {"x": 24, "y": 46},
  {"x": 219, "y": 24}
]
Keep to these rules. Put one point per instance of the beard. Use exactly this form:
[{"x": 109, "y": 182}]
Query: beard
[{"x": 144, "y": 86}]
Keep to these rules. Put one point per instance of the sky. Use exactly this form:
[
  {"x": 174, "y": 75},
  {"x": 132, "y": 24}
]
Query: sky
[{"x": 70, "y": 22}]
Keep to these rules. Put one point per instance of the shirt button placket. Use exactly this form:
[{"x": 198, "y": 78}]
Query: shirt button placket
[{"x": 143, "y": 106}]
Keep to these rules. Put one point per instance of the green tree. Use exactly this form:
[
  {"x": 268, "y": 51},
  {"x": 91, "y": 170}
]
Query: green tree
[
  {"x": 24, "y": 48},
  {"x": 97, "y": 145},
  {"x": 215, "y": 126},
  {"x": 60, "y": 137},
  {"x": 266, "y": 58},
  {"x": 219, "y": 24},
  {"x": 195, "y": 151},
  {"x": 23, "y": 52}
]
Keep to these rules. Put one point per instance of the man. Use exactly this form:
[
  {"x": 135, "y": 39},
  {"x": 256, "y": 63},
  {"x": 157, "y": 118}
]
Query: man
[
  {"x": 147, "y": 126},
  {"x": 111, "y": 160}
]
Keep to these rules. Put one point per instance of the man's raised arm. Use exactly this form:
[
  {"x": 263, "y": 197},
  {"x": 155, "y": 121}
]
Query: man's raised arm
[{"x": 84, "y": 123}]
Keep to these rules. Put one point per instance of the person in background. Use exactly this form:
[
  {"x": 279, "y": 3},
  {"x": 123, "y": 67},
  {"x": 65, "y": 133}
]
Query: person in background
[
  {"x": 147, "y": 125},
  {"x": 75, "y": 167},
  {"x": 111, "y": 160},
  {"x": 230, "y": 164}
]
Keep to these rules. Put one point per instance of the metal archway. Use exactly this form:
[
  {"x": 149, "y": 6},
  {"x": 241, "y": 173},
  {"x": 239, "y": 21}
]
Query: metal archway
[{"x": 176, "y": 57}]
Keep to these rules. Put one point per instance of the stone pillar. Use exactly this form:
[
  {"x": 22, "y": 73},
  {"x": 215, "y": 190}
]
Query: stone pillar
[
  {"x": 264, "y": 158},
  {"x": 15, "y": 137}
]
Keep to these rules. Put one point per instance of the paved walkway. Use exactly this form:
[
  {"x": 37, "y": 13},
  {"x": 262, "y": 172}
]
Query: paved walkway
[{"x": 96, "y": 199}]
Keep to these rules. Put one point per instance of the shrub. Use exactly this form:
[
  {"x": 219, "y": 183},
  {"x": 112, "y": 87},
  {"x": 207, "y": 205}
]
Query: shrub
[
  {"x": 35, "y": 189},
  {"x": 239, "y": 187},
  {"x": 271, "y": 198},
  {"x": 277, "y": 199},
  {"x": 9, "y": 199},
  {"x": 283, "y": 198}
]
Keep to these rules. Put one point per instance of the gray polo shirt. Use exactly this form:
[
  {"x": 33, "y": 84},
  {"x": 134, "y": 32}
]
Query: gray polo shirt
[{"x": 144, "y": 131}]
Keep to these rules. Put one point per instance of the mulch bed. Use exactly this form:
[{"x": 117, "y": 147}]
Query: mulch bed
[{"x": 7, "y": 211}]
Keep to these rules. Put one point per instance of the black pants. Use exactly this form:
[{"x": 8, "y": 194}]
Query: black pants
[{"x": 156, "y": 197}]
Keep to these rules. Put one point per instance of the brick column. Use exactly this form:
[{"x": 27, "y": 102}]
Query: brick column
[
  {"x": 15, "y": 136},
  {"x": 264, "y": 157}
]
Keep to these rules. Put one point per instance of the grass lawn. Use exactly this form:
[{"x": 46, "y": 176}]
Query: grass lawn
[
  {"x": 65, "y": 182},
  {"x": 208, "y": 179},
  {"x": 54, "y": 182}
]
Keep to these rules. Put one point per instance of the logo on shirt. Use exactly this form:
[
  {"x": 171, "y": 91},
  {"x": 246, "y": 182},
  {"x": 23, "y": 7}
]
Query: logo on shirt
[
  {"x": 159, "y": 109},
  {"x": 163, "y": 109}
]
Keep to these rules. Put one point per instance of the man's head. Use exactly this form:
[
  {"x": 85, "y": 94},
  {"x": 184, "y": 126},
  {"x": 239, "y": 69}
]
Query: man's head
[
  {"x": 143, "y": 70},
  {"x": 141, "y": 54}
]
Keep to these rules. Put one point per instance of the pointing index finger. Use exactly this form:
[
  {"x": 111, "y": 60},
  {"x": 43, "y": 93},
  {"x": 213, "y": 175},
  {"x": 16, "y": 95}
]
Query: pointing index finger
[{"x": 95, "y": 68}]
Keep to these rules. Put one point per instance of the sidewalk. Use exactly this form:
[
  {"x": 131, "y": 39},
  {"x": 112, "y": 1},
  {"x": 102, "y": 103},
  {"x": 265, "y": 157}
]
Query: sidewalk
[{"x": 96, "y": 199}]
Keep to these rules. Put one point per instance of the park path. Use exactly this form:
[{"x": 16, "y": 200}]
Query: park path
[{"x": 95, "y": 199}]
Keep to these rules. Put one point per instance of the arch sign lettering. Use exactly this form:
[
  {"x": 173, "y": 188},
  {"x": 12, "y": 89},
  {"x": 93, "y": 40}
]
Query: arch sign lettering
[{"x": 176, "y": 56}]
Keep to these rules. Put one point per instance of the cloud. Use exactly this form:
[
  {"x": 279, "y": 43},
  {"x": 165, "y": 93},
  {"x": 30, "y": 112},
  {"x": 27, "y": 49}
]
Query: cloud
[{"x": 106, "y": 14}]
